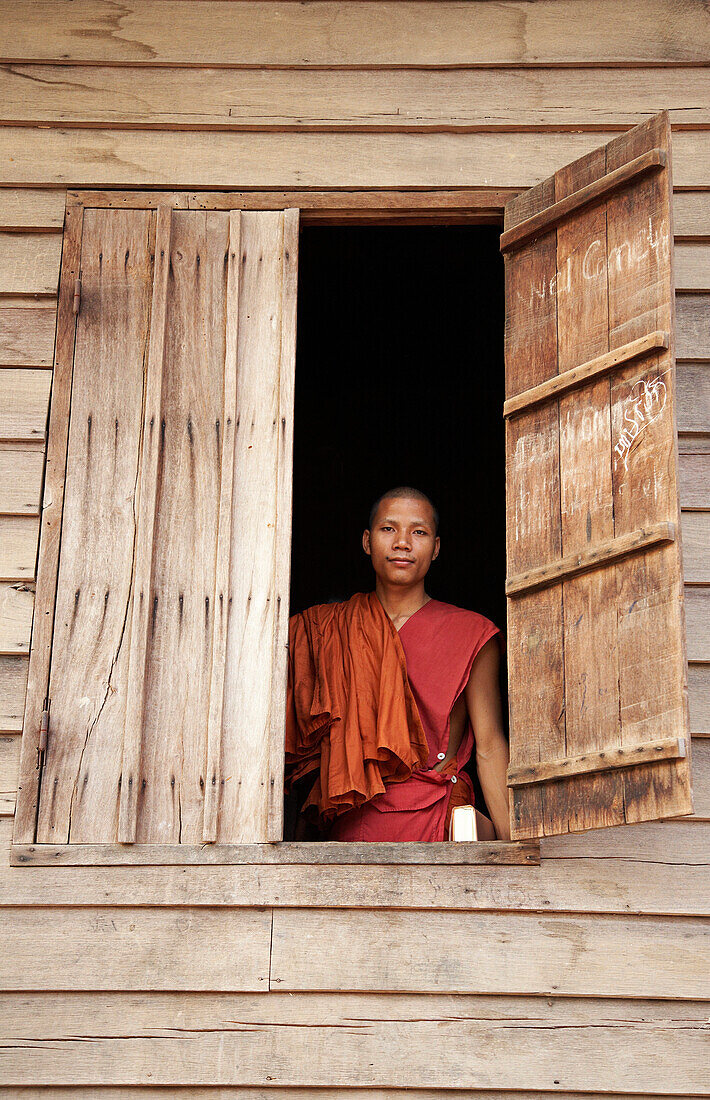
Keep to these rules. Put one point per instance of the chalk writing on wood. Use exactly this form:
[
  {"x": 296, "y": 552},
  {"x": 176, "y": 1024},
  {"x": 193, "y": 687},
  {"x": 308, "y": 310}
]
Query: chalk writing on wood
[{"x": 646, "y": 403}]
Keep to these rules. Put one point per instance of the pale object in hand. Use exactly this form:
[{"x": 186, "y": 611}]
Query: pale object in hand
[{"x": 463, "y": 823}]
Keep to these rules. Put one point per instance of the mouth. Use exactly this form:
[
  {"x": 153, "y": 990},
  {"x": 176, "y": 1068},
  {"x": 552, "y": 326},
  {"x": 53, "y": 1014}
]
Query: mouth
[{"x": 401, "y": 561}]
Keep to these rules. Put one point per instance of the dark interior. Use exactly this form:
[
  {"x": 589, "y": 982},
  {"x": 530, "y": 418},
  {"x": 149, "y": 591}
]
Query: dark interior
[{"x": 399, "y": 381}]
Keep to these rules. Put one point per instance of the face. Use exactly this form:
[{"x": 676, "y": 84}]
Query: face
[{"x": 401, "y": 541}]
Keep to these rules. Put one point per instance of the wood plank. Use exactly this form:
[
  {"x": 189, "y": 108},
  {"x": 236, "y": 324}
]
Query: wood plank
[
  {"x": 377, "y": 99},
  {"x": 691, "y": 214},
  {"x": 29, "y": 262},
  {"x": 658, "y": 868},
  {"x": 9, "y": 767},
  {"x": 653, "y": 160},
  {"x": 27, "y": 335},
  {"x": 694, "y": 471},
  {"x": 21, "y": 470},
  {"x": 13, "y": 684},
  {"x": 693, "y": 389},
  {"x": 667, "y": 748},
  {"x": 604, "y": 553},
  {"x": 150, "y": 462},
  {"x": 585, "y": 372},
  {"x": 697, "y": 620},
  {"x": 696, "y": 547},
  {"x": 701, "y": 778},
  {"x": 699, "y": 695},
  {"x": 262, "y": 1044},
  {"x": 99, "y": 445},
  {"x": 136, "y": 948},
  {"x": 24, "y": 401},
  {"x": 213, "y": 757},
  {"x": 16, "y": 607},
  {"x": 24, "y": 208},
  {"x": 592, "y": 956},
  {"x": 692, "y": 330},
  {"x": 135, "y": 158},
  {"x": 330, "y": 33},
  {"x": 261, "y": 547},
  {"x": 18, "y": 547},
  {"x": 692, "y": 266}
]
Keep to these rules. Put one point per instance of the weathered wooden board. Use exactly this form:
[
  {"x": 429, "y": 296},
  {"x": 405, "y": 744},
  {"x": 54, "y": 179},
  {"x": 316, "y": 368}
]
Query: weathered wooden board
[
  {"x": 272, "y": 1041},
  {"x": 694, "y": 471},
  {"x": 24, "y": 400},
  {"x": 692, "y": 265},
  {"x": 9, "y": 767},
  {"x": 16, "y": 606},
  {"x": 697, "y": 618},
  {"x": 699, "y": 694},
  {"x": 29, "y": 262},
  {"x": 692, "y": 329},
  {"x": 18, "y": 547},
  {"x": 391, "y": 99},
  {"x": 334, "y": 33},
  {"x": 592, "y": 956},
  {"x": 694, "y": 396},
  {"x": 39, "y": 209},
  {"x": 660, "y": 870},
  {"x": 27, "y": 335},
  {"x": 20, "y": 478},
  {"x": 13, "y": 684},
  {"x": 117, "y": 948},
  {"x": 220, "y": 159},
  {"x": 696, "y": 547},
  {"x": 691, "y": 214}
]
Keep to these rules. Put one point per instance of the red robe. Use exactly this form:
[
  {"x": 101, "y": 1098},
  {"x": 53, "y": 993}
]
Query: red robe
[{"x": 440, "y": 643}]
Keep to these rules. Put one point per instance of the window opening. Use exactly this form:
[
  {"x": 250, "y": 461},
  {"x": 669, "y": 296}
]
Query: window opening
[{"x": 400, "y": 380}]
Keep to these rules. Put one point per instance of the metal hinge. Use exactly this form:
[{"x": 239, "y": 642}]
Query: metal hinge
[
  {"x": 77, "y": 295},
  {"x": 43, "y": 731}
]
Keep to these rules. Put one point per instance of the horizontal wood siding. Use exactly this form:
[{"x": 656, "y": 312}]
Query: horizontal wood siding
[{"x": 365, "y": 982}]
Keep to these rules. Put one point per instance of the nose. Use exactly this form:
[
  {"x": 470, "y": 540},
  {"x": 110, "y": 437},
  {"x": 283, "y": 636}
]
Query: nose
[{"x": 401, "y": 543}]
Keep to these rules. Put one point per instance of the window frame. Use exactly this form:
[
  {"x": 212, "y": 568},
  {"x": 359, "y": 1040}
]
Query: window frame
[{"x": 466, "y": 206}]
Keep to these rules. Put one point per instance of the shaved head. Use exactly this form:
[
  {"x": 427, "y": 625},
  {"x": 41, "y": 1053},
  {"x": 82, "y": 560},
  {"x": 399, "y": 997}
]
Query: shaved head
[{"x": 399, "y": 492}]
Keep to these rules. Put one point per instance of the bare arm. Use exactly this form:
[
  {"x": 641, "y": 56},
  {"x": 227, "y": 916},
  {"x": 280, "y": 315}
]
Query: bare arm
[{"x": 486, "y": 713}]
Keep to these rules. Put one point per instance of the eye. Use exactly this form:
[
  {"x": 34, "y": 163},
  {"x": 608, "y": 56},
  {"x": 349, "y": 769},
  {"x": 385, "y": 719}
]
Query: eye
[
  {"x": 386, "y": 528},
  {"x": 420, "y": 532}
]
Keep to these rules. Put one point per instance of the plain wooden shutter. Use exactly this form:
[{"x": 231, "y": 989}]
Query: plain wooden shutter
[
  {"x": 159, "y": 641},
  {"x": 597, "y": 668}
]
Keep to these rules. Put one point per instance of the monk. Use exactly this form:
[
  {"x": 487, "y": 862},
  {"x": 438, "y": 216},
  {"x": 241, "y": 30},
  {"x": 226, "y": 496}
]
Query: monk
[{"x": 391, "y": 692}]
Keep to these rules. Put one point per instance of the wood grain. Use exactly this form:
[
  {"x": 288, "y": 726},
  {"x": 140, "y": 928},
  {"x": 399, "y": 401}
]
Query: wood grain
[
  {"x": 87, "y": 674},
  {"x": 332, "y": 33},
  {"x": 692, "y": 335},
  {"x": 32, "y": 209},
  {"x": 21, "y": 469},
  {"x": 27, "y": 336},
  {"x": 563, "y": 956},
  {"x": 261, "y": 1044},
  {"x": 135, "y": 158},
  {"x": 136, "y": 949},
  {"x": 29, "y": 262},
  {"x": 18, "y": 547},
  {"x": 24, "y": 401},
  {"x": 13, "y": 685},
  {"x": 369, "y": 99},
  {"x": 657, "y": 868}
]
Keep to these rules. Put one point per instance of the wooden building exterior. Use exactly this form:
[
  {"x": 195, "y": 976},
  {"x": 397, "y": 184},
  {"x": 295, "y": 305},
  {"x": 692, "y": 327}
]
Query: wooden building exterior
[{"x": 139, "y": 957}]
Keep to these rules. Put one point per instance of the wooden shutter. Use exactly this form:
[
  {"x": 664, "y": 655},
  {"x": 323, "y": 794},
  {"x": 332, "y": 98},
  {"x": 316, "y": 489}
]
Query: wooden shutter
[
  {"x": 597, "y": 666},
  {"x": 159, "y": 641}
]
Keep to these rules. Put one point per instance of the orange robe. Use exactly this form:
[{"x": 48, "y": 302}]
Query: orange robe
[{"x": 351, "y": 714}]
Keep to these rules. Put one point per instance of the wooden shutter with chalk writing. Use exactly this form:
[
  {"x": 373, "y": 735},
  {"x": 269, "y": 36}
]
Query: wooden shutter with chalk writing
[
  {"x": 156, "y": 690},
  {"x": 599, "y": 726}
]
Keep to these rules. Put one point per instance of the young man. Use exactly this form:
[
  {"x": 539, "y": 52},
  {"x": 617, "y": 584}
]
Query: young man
[{"x": 386, "y": 690}]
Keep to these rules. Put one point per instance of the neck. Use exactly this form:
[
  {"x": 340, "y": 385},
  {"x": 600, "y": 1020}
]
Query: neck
[{"x": 400, "y": 602}]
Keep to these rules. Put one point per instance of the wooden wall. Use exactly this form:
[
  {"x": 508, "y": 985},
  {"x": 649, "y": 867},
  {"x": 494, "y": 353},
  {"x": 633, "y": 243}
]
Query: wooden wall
[{"x": 585, "y": 975}]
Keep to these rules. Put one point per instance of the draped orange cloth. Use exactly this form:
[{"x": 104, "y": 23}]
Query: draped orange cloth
[{"x": 351, "y": 715}]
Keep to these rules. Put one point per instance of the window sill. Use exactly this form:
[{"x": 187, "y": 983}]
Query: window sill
[{"x": 517, "y": 853}]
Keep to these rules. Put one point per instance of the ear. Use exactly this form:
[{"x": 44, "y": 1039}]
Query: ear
[
  {"x": 437, "y": 545},
  {"x": 366, "y": 541}
]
